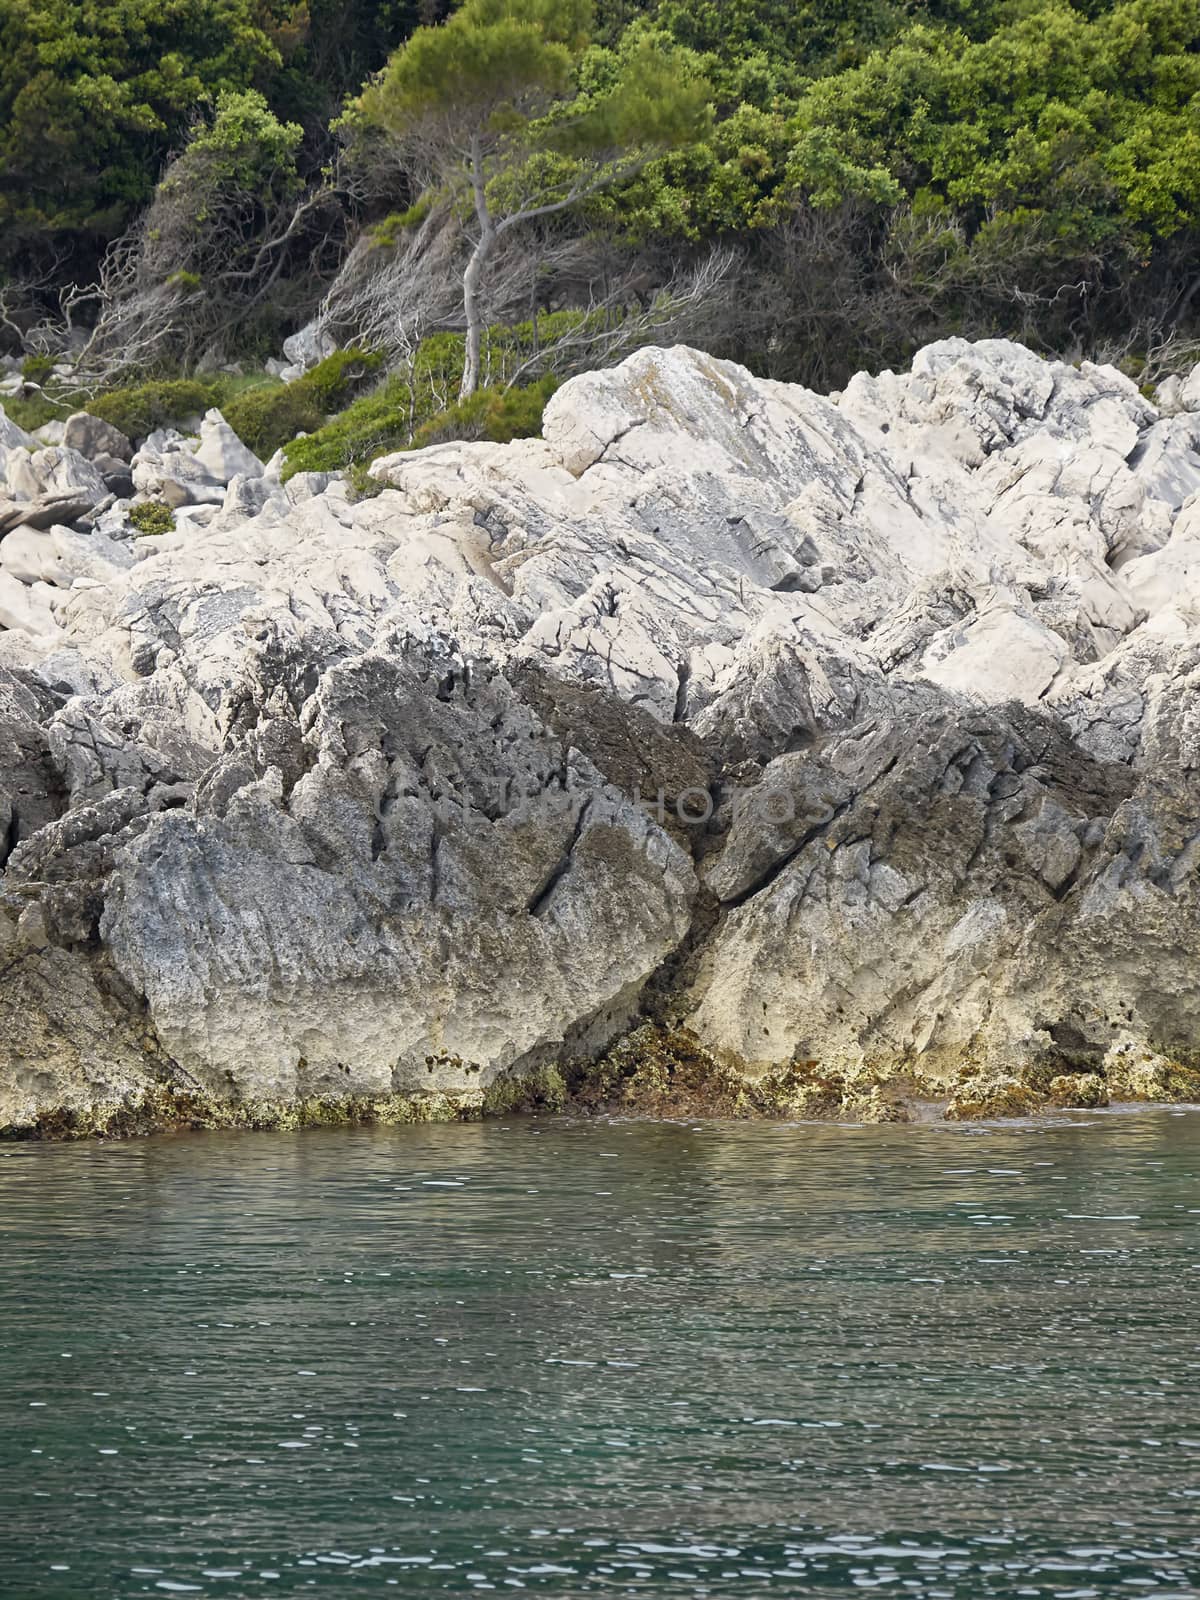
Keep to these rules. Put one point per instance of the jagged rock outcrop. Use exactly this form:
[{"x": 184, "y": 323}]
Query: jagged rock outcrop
[{"x": 844, "y": 737}]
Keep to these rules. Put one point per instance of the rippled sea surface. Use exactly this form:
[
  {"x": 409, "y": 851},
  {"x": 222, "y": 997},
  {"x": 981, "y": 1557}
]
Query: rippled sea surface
[{"x": 588, "y": 1357}]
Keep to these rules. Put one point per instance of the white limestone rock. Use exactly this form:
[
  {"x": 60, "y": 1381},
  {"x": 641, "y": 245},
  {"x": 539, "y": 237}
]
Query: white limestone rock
[
  {"x": 359, "y": 797},
  {"x": 53, "y": 470},
  {"x": 175, "y": 475},
  {"x": 310, "y": 345},
  {"x": 61, "y": 556},
  {"x": 27, "y": 607},
  {"x": 93, "y": 437},
  {"x": 223, "y": 454},
  {"x": 14, "y": 438}
]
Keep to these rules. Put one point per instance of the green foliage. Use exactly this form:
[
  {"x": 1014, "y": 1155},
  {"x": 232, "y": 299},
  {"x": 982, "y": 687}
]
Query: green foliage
[
  {"x": 94, "y": 98},
  {"x": 270, "y": 416},
  {"x": 1092, "y": 123},
  {"x": 488, "y": 110},
  {"x": 499, "y": 84},
  {"x": 734, "y": 180},
  {"x": 157, "y": 403},
  {"x": 490, "y": 61},
  {"x": 386, "y": 232},
  {"x": 759, "y": 51},
  {"x": 32, "y": 411},
  {"x": 36, "y": 369},
  {"x": 91, "y": 97},
  {"x": 421, "y": 406},
  {"x": 245, "y": 150},
  {"x": 1019, "y": 166},
  {"x": 330, "y": 47},
  {"x": 372, "y": 426},
  {"x": 152, "y": 517},
  {"x": 494, "y": 414}
]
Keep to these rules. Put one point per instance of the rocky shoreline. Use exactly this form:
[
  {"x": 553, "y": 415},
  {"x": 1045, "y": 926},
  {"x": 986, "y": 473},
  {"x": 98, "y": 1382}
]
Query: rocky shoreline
[{"x": 730, "y": 747}]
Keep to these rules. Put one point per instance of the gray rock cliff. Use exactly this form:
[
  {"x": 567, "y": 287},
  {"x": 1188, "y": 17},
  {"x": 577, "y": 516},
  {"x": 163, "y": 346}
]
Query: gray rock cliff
[{"x": 854, "y": 734}]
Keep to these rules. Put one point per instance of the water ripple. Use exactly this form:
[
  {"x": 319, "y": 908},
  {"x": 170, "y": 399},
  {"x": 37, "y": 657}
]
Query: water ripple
[{"x": 589, "y": 1357}]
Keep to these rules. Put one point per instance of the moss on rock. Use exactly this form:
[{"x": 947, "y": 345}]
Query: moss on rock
[
  {"x": 659, "y": 1071},
  {"x": 541, "y": 1089},
  {"x": 1153, "y": 1078},
  {"x": 976, "y": 1100},
  {"x": 164, "y": 1107},
  {"x": 1084, "y": 1089}
]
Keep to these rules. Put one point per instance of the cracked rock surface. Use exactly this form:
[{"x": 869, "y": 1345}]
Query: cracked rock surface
[{"x": 855, "y": 731}]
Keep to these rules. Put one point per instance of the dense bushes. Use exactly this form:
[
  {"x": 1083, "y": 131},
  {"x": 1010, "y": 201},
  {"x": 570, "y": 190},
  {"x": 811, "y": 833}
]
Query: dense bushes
[
  {"x": 1094, "y": 123},
  {"x": 159, "y": 403},
  {"x": 496, "y": 415},
  {"x": 268, "y": 417},
  {"x": 91, "y": 98},
  {"x": 420, "y": 405},
  {"x": 95, "y": 97}
]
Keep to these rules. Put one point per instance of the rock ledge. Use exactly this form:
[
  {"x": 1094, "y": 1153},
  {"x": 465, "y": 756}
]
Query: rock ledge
[{"x": 843, "y": 750}]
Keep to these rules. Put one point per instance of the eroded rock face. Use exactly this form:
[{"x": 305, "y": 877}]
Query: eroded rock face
[{"x": 859, "y": 733}]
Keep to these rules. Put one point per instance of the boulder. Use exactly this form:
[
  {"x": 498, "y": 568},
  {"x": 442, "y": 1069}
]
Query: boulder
[
  {"x": 246, "y": 495},
  {"x": 44, "y": 510},
  {"x": 27, "y": 554},
  {"x": 53, "y": 470},
  {"x": 1168, "y": 396},
  {"x": 307, "y": 347},
  {"x": 223, "y": 454},
  {"x": 175, "y": 476},
  {"x": 12, "y": 437},
  {"x": 93, "y": 437},
  {"x": 117, "y": 474},
  {"x": 1167, "y": 459},
  {"x": 59, "y": 556},
  {"x": 26, "y": 607}
]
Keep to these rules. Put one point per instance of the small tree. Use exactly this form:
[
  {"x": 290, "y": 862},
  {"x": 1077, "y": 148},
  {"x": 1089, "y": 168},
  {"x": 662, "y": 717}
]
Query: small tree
[{"x": 487, "y": 112}]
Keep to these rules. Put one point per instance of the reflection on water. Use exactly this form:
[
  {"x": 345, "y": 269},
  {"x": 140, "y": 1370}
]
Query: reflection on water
[{"x": 598, "y": 1357}]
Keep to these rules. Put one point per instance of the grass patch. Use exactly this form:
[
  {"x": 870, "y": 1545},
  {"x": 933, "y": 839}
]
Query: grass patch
[
  {"x": 494, "y": 414},
  {"x": 33, "y": 411}
]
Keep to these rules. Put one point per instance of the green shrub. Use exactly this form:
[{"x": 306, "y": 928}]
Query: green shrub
[
  {"x": 33, "y": 410},
  {"x": 36, "y": 369},
  {"x": 421, "y": 406},
  {"x": 383, "y": 234},
  {"x": 495, "y": 414},
  {"x": 374, "y": 425},
  {"x": 272, "y": 415},
  {"x": 266, "y": 418},
  {"x": 159, "y": 403},
  {"x": 362, "y": 485},
  {"x": 383, "y": 422},
  {"x": 152, "y": 517}
]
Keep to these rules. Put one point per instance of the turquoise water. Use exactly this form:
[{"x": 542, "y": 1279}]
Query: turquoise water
[{"x": 587, "y": 1358}]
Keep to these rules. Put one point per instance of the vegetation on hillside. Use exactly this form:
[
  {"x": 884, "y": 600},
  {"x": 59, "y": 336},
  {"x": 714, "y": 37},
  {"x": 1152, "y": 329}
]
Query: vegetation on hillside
[{"x": 810, "y": 186}]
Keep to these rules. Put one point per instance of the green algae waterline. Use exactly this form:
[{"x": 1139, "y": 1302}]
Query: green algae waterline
[{"x": 592, "y": 1357}]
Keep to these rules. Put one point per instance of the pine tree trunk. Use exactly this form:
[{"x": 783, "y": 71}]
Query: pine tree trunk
[
  {"x": 472, "y": 304},
  {"x": 474, "y": 315}
]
